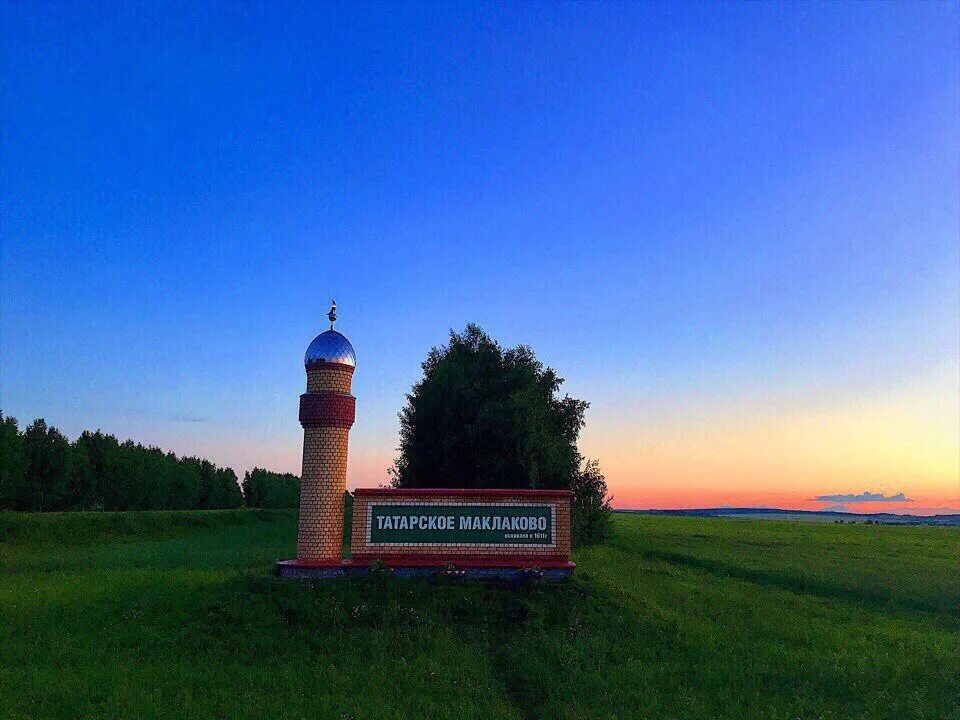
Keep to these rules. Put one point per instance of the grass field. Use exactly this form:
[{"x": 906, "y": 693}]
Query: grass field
[{"x": 170, "y": 615}]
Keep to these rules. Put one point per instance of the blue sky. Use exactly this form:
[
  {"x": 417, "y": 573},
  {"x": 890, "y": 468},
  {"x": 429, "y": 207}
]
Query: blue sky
[{"x": 700, "y": 214}]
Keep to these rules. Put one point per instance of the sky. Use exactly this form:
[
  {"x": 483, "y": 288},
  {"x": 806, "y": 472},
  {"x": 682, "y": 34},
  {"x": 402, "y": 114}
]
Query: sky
[{"x": 734, "y": 229}]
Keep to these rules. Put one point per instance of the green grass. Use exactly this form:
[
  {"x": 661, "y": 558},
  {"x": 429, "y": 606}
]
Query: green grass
[{"x": 170, "y": 615}]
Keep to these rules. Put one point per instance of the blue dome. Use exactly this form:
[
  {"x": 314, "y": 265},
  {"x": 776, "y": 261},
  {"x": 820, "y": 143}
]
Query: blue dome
[{"x": 331, "y": 347}]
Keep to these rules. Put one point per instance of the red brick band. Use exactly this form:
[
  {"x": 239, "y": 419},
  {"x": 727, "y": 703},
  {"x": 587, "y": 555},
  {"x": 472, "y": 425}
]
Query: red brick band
[
  {"x": 327, "y": 409},
  {"x": 438, "y": 561},
  {"x": 317, "y": 364}
]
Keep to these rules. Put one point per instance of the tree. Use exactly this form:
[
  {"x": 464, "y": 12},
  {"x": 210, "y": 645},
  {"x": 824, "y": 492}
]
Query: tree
[
  {"x": 230, "y": 494},
  {"x": 48, "y": 468},
  {"x": 133, "y": 487},
  {"x": 82, "y": 482},
  {"x": 217, "y": 488},
  {"x": 208, "y": 493},
  {"x": 265, "y": 489},
  {"x": 104, "y": 454},
  {"x": 185, "y": 488},
  {"x": 13, "y": 463},
  {"x": 485, "y": 416},
  {"x": 590, "y": 510}
]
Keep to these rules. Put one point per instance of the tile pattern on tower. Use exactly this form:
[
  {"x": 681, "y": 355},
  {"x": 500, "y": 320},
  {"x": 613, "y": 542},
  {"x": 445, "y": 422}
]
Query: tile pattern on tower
[{"x": 323, "y": 477}]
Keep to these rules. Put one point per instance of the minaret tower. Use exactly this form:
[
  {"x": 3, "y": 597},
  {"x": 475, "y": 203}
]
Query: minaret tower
[{"x": 326, "y": 413}]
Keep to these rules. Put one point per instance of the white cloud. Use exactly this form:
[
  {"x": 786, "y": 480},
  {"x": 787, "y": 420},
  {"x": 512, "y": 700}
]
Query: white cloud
[{"x": 865, "y": 496}]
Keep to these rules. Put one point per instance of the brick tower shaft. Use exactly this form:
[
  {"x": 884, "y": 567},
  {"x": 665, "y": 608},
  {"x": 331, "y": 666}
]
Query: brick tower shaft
[
  {"x": 326, "y": 413},
  {"x": 322, "y": 483}
]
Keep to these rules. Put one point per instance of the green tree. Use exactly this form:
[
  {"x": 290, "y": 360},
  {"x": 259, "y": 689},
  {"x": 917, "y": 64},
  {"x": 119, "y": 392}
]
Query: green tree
[
  {"x": 48, "y": 470},
  {"x": 229, "y": 492},
  {"x": 485, "y": 416},
  {"x": 13, "y": 463},
  {"x": 133, "y": 478},
  {"x": 82, "y": 481},
  {"x": 185, "y": 489},
  {"x": 265, "y": 489},
  {"x": 104, "y": 455},
  {"x": 590, "y": 510},
  {"x": 156, "y": 477},
  {"x": 209, "y": 491}
]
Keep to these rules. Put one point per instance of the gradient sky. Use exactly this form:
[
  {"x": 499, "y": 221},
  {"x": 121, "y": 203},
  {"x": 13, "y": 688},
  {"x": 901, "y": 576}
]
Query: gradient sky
[{"x": 732, "y": 228}]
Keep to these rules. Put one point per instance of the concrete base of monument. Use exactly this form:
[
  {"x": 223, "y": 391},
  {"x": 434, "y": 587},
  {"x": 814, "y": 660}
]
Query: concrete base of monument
[
  {"x": 420, "y": 566},
  {"x": 315, "y": 569}
]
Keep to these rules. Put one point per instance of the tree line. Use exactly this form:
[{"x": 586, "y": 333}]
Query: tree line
[{"x": 41, "y": 470}]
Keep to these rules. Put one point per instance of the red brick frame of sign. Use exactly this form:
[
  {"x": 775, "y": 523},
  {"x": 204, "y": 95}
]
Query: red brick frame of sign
[{"x": 480, "y": 528}]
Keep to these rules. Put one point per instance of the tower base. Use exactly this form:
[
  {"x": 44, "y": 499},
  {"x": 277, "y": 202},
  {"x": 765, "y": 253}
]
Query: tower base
[{"x": 478, "y": 568}]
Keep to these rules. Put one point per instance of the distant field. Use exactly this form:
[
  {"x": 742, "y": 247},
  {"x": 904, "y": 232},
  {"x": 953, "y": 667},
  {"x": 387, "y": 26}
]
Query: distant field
[{"x": 170, "y": 615}]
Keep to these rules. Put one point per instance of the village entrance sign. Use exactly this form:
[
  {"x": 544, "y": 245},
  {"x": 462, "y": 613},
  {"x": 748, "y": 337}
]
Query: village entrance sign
[{"x": 498, "y": 533}]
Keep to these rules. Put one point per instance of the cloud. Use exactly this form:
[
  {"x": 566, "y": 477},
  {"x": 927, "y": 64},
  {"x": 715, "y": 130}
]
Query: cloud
[
  {"x": 187, "y": 418},
  {"x": 836, "y": 508},
  {"x": 943, "y": 510},
  {"x": 865, "y": 496}
]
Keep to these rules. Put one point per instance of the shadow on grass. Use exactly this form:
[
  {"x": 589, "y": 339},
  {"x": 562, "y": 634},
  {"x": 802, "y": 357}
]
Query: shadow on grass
[
  {"x": 544, "y": 642},
  {"x": 874, "y": 598}
]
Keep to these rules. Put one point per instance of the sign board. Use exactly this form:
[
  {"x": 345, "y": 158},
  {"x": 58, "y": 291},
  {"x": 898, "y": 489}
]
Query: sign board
[
  {"x": 491, "y": 532},
  {"x": 461, "y": 524}
]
